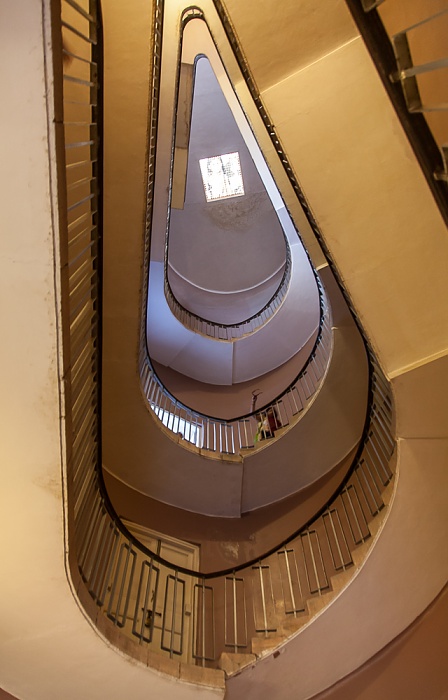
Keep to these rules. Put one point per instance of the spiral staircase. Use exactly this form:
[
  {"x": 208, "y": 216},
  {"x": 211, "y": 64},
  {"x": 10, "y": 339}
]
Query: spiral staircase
[{"x": 79, "y": 614}]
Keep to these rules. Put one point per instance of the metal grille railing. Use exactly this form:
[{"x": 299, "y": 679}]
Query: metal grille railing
[
  {"x": 193, "y": 616},
  {"x": 177, "y": 612},
  {"x": 234, "y": 331},
  {"x": 81, "y": 253},
  {"x": 230, "y": 437}
]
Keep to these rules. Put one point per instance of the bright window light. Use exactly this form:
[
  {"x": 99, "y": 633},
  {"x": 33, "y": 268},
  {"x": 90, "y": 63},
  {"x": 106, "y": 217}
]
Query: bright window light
[
  {"x": 192, "y": 432},
  {"x": 221, "y": 176}
]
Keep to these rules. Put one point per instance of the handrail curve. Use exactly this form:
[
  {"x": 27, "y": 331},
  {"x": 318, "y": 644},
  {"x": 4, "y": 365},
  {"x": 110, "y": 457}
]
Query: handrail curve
[
  {"x": 178, "y": 612},
  {"x": 143, "y": 594},
  {"x": 230, "y": 437},
  {"x": 373, "y": 460},
  {"x": 208, "y": 433},
  {"x": 196, "y": 323},
  {"x": 231, "y": 331}
]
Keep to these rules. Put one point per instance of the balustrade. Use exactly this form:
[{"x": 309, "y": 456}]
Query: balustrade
[{"x": 175, "y": 611}]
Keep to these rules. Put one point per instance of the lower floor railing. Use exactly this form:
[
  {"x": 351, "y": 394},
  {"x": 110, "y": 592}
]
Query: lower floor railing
[{"x": 195, "y": 617}]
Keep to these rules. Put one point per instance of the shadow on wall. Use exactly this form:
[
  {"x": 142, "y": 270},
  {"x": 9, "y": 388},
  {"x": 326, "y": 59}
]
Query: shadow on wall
[
  {"x": 226, "y": 542},
  {"x": 229, "y": 402}
]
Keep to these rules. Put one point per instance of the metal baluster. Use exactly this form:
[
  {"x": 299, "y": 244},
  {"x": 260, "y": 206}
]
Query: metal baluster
[
  {"x": 240, "y": 442},
  {"x": 371, "y": 469},
  {"x": 318, "y": 366},
  {"x": 312, "y": 376},
  {"x": 385, "y": 429},
  {"x": 301, "y": 391},
  {"x": 295, "y": 393},
  {"x": 246, "y": 422},
  {"x": 358, "y": 468},
  {"x": 200, "y": 433},
  {"x": 203, "y": 623},
  {"x": 93, "y": 552},
  {"x": 266, "y": 626},
  {"x": 307, "y": 385},
  {"x": 232, "y": 435},
  {"x": 110, "y": 565},
  {"x": 235, "y": 620},
  {"x": 236, "y": 644},
  {"x": 361, "y": 537},
  {"x": 375, "y": 458},
  {"x": 148, "y": 614},
  {"x": 305, "y": 563},
  {"x": 154, "y": 387},
  {"x": 207, "y": 429},
  {"x": 89, "y": 534},
  {"x": 173, "y": 612},
  {"x": 99, "y": 571},
  {"x": 329, "y": 514},
  {"x": 294, "y": 606},
  {"x": 123, "y": 590},
  {"x": 385, "y": 455}
]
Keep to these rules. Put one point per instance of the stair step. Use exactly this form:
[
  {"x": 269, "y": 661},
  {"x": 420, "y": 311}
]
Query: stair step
[
  {"x": 340, "y": 580},
  {"x": 316, "y": 604},
  {"x": 232, "y": 663},
  {"x": 281, "y": 431},
  {"x": 388, "y": 492},
  {"x": 293, "y": 624},
  {"x": 262, "y": 645},
  {"x": 267, "y": 643}
]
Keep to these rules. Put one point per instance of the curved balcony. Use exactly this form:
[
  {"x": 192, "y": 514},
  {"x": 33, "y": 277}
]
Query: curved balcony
[
  {"x": 51, "y": 416},
  {"x": 183, "y": 613},
  {"x": 231, "y": 331},
  {"x": 169, "y": 342},
  {"x": 213, "y": 435},
  {"x": 211, "y": 619}
]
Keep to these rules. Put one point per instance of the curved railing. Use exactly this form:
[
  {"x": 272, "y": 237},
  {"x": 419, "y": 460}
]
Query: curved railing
[
  {"x": 186, "y": 614},
  {"x": 231, "y": 331},
  {"x": 232, "y": 436},
  {"x": 192, "y": 427},
  {"x": 180, "y": 613}
]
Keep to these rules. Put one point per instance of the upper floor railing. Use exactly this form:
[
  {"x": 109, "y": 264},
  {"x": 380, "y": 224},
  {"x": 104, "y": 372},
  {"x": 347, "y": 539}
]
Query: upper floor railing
[
  {"x": 232, "y": 331},
  {"x": 230, "y": 437},
  {"x": 408, "y": 44},
  {"x": 192, "y": 427}
]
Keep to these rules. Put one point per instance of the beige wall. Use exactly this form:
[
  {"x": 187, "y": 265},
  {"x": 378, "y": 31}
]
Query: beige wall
[
  {"x": 371, "y": 201},
  {"x": 413, "y": 666},
  {"x": 43, "y": 630},
  {"x": 48, "y": 648}
]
